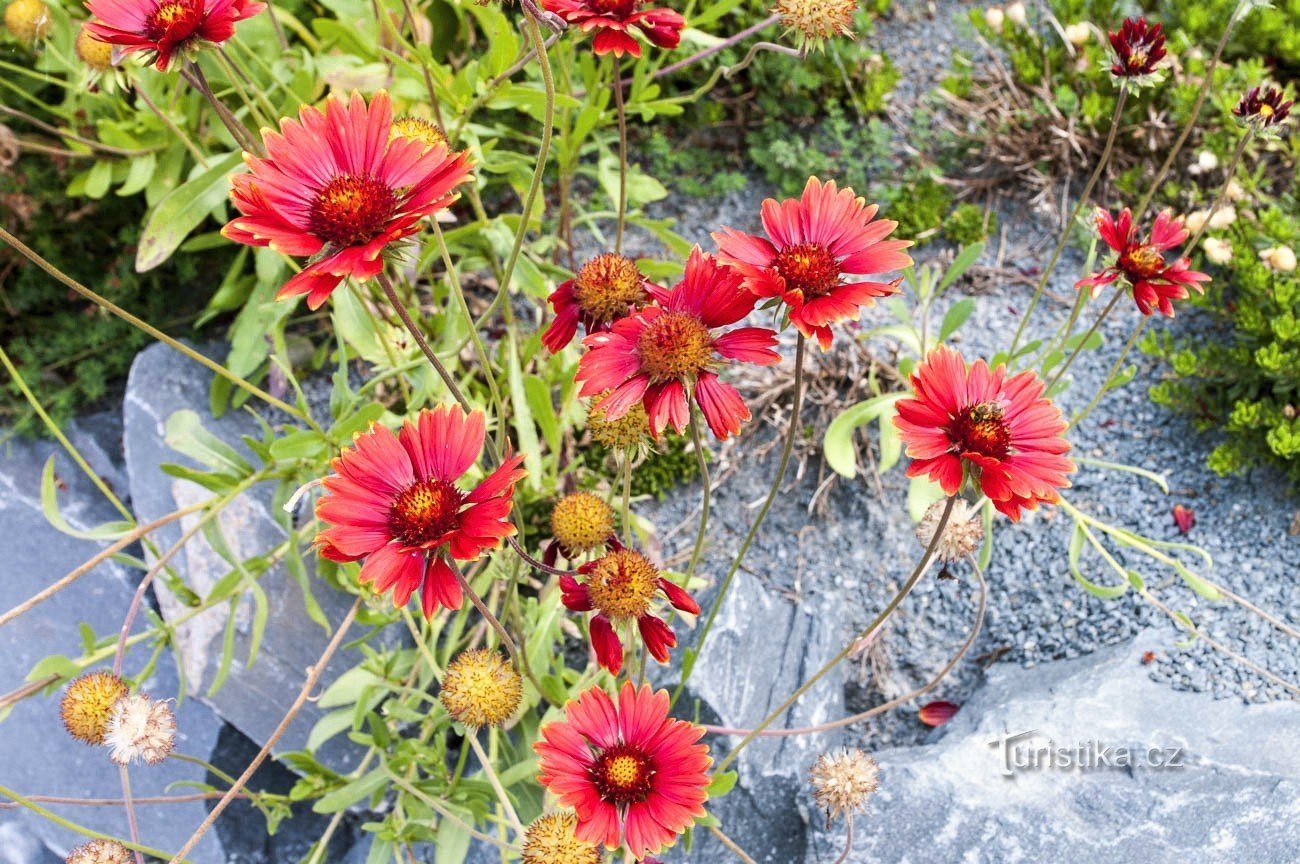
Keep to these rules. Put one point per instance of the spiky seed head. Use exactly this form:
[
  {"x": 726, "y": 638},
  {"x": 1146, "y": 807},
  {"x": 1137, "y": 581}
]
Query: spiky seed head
[
  {"x": 843, "y": 781},
  {"x": 88, "y": 703},
  {"x": 481, "y": 688},
  {"x": 140, "y": 728}
]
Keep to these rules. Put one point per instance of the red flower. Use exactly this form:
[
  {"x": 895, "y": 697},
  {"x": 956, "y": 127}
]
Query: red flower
[
  {"x": 665, "y": 353},
  {"x": 339, "y": 188},
  {"x": 613, "y": 21},
  {"x": 1263, "y": 107},
  {"x": 966, "y": 420},
  {"x": 166, "y": 27},
  {"x": 1155, "y": 282},
  {"x": 1139, "y": 48},
  {"x": 394, "y": 500},
  {"x": 812, "y": 244},
  {"x": 938, "y": 713},
  {"x": 607, "y": 287},
  {"x": 628, "y": 770},
  {"x": 621, "y": 586}
]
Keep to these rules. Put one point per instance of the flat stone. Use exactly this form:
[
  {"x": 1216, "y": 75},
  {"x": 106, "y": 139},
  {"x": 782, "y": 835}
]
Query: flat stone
[
  {"x": 255, "y": 696},
  {"x": 36, "y": 755},
  {"x": 969, "y": 797}
]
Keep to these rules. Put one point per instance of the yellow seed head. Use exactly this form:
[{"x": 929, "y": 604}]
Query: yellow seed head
[
  {"x": 418, "y": 130},
  {"x": 627, "y": 432},
  {"x": 582, "y": 522},
  {"x": 94, "y": 53},
  {"x": 27, "y": 20},
  {"x": 88, "y": 704},
  {"x": 622, "y": 584},
  {"x": 551, "y": 840},
  {"x": 481, "y": 688},
  {"x": 842, "y": 782},
  {"x": 100, "y": 852},
  {"x": 818, "y": 20}
]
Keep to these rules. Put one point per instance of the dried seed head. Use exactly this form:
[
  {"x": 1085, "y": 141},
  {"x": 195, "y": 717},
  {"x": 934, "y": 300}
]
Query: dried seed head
[
  {"x": 88, "y": 704},
  {"x": 818, "y": 20},
  {"x": 100, "y": 852},
  {"x": 140, "y": 728},
  {"x": 961, "y": 536},
  {"x": 1279, "y": 258},
  {"x": 582, "y": 522},
  {"x": 27, "y": 20},
  {"x": 842, "y": 782},
  {"x": 1217, "y": 251},
  {"x": 626, "y": 433},
  {"x": 481, "y": 688},
  {"x": 551, "y": 840}
]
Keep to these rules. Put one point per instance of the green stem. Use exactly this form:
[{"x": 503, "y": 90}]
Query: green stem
[
  {"x": 705, "y": 493},
  {"x": 418, "y": 335},
  {"x": 1223, "y": 190},
  {"x": 627, "y": 497},
  {"x": 211, "y": 365},
  {"x": 1074, "y": 214},
  {"x": 1111, "y": 375},
  {"x": 622, "y": 156},
  {"x": 1079, "y": 348},
  {"x": 875, "y": 625},
  {"x": 78, "y": 829},
  {"x": 786, "y": 449}
]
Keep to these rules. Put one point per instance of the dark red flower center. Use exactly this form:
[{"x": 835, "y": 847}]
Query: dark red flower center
[
  {"x": 174, "y": 21},
  {"x": 809, "y": 268},
  {"x": 1143, "y": 261},
  {"x": 617, "y": 9},
  {"x": 623, "y": 775},
  {"x": 352, "y": 209},
  {"x": 983, "y": 429},
  {"x": 425, "y": 511},
  {"x": 608, "y": 286},
  {"x": 674, "y": 346}
]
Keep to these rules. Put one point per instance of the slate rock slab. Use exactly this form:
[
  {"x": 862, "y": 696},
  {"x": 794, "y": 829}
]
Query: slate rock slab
[
  {"x": 1237, "y": 798},
  {"x": 255, "y": 696},
  {"x": 36, "y": 756}
]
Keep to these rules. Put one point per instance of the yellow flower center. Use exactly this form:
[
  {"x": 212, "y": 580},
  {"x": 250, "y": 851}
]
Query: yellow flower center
[
  {"x": 608, "y": 286},
  {"x": 425, "y": 512},
  {"x": 624, "y": 433},
  {"x": 623, "y": 775},
  {"x": 27, "y": 20},
  {"x": 1265, "y": 110},
  {"x": 1143, "y": 261},
  {"x": 417, "y": 130},
  {"x": 808, "y": 268},
  {"x": 581, "y": 522},
  {"x": 352, "y": 209},
  {"x": 94, "y": 53},
  {"x": 622, "y": 583},
  {"x": 675, "y": 346},
  {"x": 481, "y": 688}
]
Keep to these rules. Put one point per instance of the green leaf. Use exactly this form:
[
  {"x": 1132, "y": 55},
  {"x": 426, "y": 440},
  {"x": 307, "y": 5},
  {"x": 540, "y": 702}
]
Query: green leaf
[
  {"x": 524, "y": 427},
  {"x": 50, "y": 507},
  {"x": 965, "y": 258},
  {"x": 181, "y": 210},
  {"x": 185, "y": 434},
  {"x": 342, "y": 799},
  {"x": 955, "y": 317},
  {"x": 837, "y": 445},
  {"x": 722, "y": 784},
  {"x": 921, "y": 493}
]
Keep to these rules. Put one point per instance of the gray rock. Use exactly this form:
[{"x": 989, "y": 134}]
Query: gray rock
[
  {"x": 36, "y": 756},
  {"x": 256, "y": 695},
  {"x": 1238, "y": 794}
]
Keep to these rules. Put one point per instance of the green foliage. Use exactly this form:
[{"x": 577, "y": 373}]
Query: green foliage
[
  {"x": 1268, "y": 31},
  {"x": 1247, "y": 382},
  {"x": 968, "y": 224}
]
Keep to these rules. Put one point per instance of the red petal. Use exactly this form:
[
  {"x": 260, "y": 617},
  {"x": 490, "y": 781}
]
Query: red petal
[{"x": 938, "y": 713}]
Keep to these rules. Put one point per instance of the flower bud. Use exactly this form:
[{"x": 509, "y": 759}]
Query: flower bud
[
  {"x": 88, "y": 704},
  {"x": 100, "y": 852},
  {"x": 1017, "y": 15},
  {"x": 27, "y": 20},
  {"x": 994, "y": 17},
  {"x": 1279, "y": 258},
  {"x": 1078, "y": 33},
  {"x": 1222, "y": 218},
  {"x": 1217, "y": 251}
]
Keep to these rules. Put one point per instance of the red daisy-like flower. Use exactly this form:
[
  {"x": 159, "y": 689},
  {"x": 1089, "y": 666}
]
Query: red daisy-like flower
[
  {"x": 337, "y": 186},
  {"x": 1155, "y": 282},
  {"x": 394, "y": 501},
  {"x": 1263, "y": 107},
  {"x": 813, "y": 243},
  {"x": 1000, "y": 431},
  {"x": 606, "y": 288},
  {"x": 668, "y": 352},
  {"x": 166, "y": 27},
  {"x": 621, "y": 587},
  {"x": 614, "y": 21},
  {"x": 630, "y": 772},
  {"x": 1139, "y": 48}
]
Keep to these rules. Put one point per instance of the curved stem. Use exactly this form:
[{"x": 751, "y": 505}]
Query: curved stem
[
  {"x": 211, "y": 365},
  {"x": 313, "y": 676},
  {"x": 1079, "y": 349},
  {"x": 930, "y": 685},
  {"x": 622, "y": 155},
  {"x": 627, "y": 497},
  {"x": 193, "y": 73},
  {"x": 1111, "y": 375},
  {"x": 1074, "y": 214},
  {"x": 51, "y": 816},
  {"x": 848, "y": 839},
  {"x": 731, "y": 845},
  {"x": 715, "y": 48},
  {"x": 754, "y": 527},
  {"x": 495, "y": 623},
  {"x": 875, "y": 625},
  {"x": 706, "y": 493}
]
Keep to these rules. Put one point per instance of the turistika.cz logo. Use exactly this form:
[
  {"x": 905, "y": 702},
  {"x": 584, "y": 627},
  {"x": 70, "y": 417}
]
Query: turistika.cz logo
[{"x": 1032, "y": 751}]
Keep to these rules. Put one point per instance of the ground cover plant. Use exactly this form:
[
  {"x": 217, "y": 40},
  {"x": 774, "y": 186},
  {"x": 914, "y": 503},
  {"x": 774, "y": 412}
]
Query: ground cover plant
[{"x": 383, "y": 209}]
